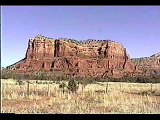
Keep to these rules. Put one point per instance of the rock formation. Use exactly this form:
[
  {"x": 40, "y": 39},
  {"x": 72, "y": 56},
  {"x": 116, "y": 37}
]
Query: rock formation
[
  {"x": 103, "y": 58},
  {"x": 149, "y": 65}
]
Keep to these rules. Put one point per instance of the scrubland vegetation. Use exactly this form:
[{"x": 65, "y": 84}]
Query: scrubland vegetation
[
  {"x": 44, "y": 96},
  {"x": 6, "y": 74}
]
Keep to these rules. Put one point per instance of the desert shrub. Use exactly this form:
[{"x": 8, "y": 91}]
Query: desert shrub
[
  {"x": 72, "y": 86},
  {"x": 123, "y": 79},
  {"x": 53, "y": 79},
  {"x": 127, "y": 79},
  {"x": 20, "y": 82},
  {"x": 113, "y": 80},
  {"x": 5, "y": 74},
  {"x": 85, "y": 81},
  {"x": 90, "y": 80},
  {"x": 43, "y": 76},
  {"x": 155, "y": 79},
  {"x": 98, "y": 79},
  {"x": 62, "y": 86},
  {"x": 78, "y": 79},
  {"x": 64, "y": 78},
  {"x": 16, "y": 77},
  {"x": 26, "y": 76},
  {"x": 141, "y": 80}
]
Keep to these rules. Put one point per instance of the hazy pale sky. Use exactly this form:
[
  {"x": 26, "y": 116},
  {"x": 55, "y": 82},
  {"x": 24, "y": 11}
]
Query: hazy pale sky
[{"x": 137, "y": 28}]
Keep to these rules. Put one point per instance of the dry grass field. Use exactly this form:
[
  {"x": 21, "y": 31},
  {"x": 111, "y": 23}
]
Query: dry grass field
[{"x": 99, "y": 98}]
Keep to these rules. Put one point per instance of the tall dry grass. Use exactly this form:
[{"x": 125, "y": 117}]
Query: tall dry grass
[{"x": 94, "y": 98}]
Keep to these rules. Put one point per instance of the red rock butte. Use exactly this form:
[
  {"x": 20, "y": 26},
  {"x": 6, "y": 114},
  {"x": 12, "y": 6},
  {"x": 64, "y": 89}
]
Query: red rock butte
[{"x": 97, "y": 58}]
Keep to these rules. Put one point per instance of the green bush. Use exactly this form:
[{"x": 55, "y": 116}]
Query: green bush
[
  {"x": 72, "y": 86},
  {"x": 6, "y": 74},
  {"x": 62, "y": 86}
]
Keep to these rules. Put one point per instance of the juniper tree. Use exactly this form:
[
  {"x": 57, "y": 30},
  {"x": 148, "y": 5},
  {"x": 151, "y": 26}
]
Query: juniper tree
[
  {"x": 62, "y": 86},
  {"x": 72, "y": 86}
]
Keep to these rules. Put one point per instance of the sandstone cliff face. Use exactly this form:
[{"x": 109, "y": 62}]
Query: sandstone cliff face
[
  {"x": 149, "y": 65},
  {"x": 39, "y": 48},
  {"x": 69, "y": 57}
]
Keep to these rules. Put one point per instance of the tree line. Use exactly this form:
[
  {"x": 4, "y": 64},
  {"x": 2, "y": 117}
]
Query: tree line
[{"x": 87, "y": 80}]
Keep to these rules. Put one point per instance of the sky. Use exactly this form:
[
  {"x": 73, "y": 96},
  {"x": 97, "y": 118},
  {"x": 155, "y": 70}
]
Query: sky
[{"x": 137, "y": 28}]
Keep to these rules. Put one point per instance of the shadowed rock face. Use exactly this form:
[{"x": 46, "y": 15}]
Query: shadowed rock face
[{"x": 70, "y": 57}]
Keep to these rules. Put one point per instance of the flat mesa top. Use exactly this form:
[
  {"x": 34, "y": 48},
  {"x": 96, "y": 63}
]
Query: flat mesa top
[{"x": 88, "y": 41}]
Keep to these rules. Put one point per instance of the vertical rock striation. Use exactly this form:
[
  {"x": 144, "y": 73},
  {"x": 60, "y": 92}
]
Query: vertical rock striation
[{"x": 101, "y": 58}]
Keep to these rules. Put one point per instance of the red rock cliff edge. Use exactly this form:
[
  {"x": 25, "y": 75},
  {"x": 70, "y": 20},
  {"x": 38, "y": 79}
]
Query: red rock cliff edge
[{"x": 103, "y": 58}]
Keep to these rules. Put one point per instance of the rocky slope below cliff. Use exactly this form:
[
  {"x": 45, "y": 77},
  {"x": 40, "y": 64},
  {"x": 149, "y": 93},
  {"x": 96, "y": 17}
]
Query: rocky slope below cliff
[{"x": 62, "y": 57}]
